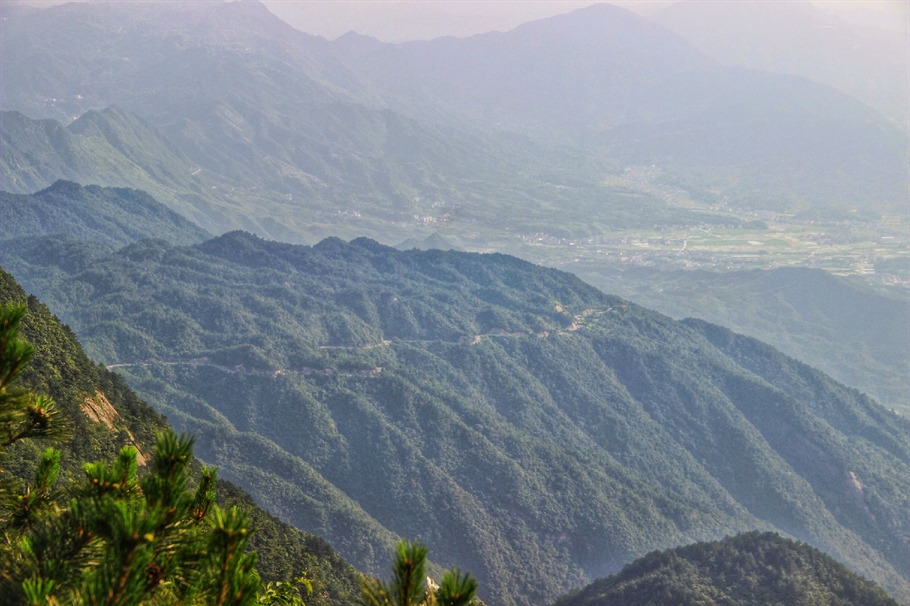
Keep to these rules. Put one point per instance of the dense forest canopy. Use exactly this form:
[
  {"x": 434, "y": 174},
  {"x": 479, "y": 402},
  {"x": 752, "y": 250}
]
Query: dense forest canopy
[{"x": 498, "y": 394}]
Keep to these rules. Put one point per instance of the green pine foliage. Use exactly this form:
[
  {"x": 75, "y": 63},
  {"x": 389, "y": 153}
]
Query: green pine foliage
[
  {"x": 751, "y": 569},
  {"x": 22, "y": 413},
  {"x": 118, "y": 539},
  {"x": 410, "y": 585}
]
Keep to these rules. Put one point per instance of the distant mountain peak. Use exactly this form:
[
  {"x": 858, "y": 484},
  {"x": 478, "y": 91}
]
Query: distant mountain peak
[
  {"x": 114, "y": 216},
  {"x": 749, "y": 568},
  {"x": 603, "y": 18},
  {"x": 353, "y": 37},
  {"x": 61, "y": 186}
]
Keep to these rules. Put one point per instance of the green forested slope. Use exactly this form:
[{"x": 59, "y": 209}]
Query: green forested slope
[
  {"x": 114, "y": 216},
  {"x": 841, "y": 325},
  {"x": 752, "y": 569},
  {"x": 513, "y": 417},
  {"x": 102, "y": 414}
]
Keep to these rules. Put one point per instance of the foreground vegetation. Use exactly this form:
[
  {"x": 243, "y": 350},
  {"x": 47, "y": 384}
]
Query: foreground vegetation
[
  {"x": 410, "y": 585},
  {"x": 68, "y": 526},
  {"x": 117, "y": 539}
]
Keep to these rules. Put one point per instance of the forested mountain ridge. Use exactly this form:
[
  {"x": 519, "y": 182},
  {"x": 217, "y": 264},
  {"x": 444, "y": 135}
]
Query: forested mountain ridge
[
  {"x": 751, "y": 569},
  {"x": 852, "y": 332},
  {"x": 102, "y": 414},
  {"x": 113, "y": 216},
  {"x": 108, "y": 147},
  {"x": 502, "y": 412}
]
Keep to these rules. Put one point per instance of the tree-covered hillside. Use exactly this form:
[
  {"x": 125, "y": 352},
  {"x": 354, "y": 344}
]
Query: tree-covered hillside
[
  {"x": 752, "y": 569},
  {"x": 512, "y": 417},
  {"x": 856, "y": 333},
  {"x": 101, "y": 414},
  {"x": 114, "y": 216}
]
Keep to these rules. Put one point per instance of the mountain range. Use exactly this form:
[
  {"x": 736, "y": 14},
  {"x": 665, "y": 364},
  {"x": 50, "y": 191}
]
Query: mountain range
[
  {"x": 527, "y": 426},
  {"x": 842, "y": 326},
  {"x": 800, "y": 38},
  {"x": 646, "y": 96},
  {"x": 447, "y": 128},
  {"x": 101, "y": 413},
  {"x": 505, "y": 413}
]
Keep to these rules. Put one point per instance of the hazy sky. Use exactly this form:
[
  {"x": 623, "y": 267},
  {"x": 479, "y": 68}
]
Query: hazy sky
[{"x": 401, "y": 20}]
